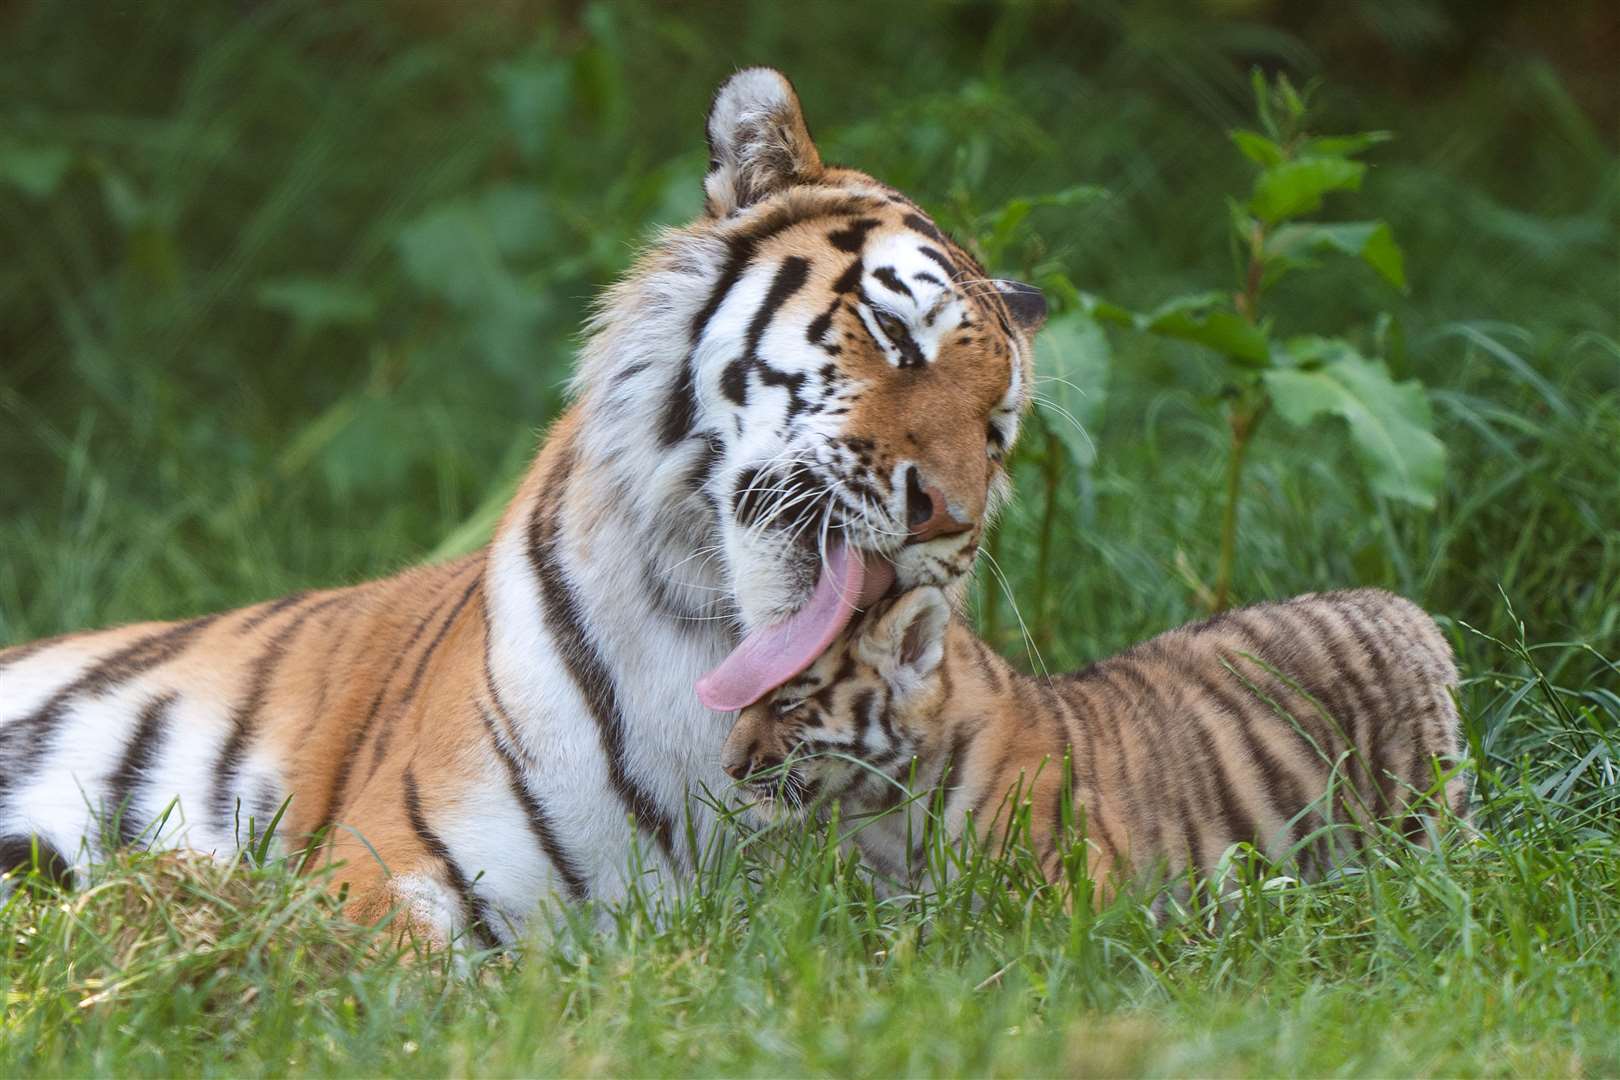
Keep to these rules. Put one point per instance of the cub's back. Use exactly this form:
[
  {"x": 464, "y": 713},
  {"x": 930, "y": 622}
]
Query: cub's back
[{"x": 1268, "y": 722}]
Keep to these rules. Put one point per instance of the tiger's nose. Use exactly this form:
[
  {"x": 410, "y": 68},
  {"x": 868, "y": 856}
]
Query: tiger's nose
[{"x": 928, "y": 517}]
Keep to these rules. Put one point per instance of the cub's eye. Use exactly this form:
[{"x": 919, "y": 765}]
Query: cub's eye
[
  {"x": 892, "y": 328},
  {"x": 995, "y": 440}
]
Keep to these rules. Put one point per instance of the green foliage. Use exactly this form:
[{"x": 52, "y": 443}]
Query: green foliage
[{"x": 1390, "y": 424}]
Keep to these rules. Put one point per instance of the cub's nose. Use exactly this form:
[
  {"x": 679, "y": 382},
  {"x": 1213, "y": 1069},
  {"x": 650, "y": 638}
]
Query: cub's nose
[
  {"x": 928, "y": 517},
  {"x": 742, "y": 766}
]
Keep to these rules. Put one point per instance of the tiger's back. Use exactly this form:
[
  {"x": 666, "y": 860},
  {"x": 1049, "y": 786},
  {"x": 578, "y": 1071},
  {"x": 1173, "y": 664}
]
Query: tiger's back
[{"x": 194, "y": 733}]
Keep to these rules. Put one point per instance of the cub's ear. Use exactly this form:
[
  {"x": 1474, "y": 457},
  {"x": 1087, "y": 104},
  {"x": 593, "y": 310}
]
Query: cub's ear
[
  {"x": 758, "y": 142},
  {"x": 907, "y": 644},
  {"x": 1026, "y": 303}
]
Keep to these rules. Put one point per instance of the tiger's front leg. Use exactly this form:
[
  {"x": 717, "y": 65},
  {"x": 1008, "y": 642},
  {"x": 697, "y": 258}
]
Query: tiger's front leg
[{"x": 393, "y": 866}]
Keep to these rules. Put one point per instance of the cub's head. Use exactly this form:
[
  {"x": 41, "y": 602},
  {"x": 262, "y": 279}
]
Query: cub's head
[
  {"x": 828, "y": 386},
  {"x": 851, "y": 724}
]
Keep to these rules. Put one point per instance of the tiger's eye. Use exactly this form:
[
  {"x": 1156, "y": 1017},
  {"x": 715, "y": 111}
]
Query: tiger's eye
[{"x": 891, "y": 326}]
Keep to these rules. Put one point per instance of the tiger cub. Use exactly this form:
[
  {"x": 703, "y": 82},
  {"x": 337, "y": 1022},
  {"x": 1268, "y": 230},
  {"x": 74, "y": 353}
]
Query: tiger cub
[{"x": 1277, "y": 724}]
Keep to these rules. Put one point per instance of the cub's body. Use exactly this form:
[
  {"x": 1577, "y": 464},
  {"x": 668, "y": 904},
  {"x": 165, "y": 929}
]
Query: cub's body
[{"x": 1274, "y": 725}]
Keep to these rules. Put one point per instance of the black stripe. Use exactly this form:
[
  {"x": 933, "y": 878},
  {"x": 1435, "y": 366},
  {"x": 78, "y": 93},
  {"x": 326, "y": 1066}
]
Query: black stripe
[
  {"x": 1296, "y": 689},
  {"x": 27, "y": 741},
  {"x": 847, "y": 282},
  {"x": 386, "y": 728},
  {"x": 494, "y": 692},
  {"x": 789, "y": 279},
  {"x": 882, "y": 709},
  {"x": 956, "y": 762},
  {"x": 17, "y": 859},
  {"x": 891, "y": 280},
  {"x": 245, "y": 717},
  {"x": 987, "y": 662},
  {"x": 852, "y": 237},
  {"x": 1086, "y": 763},
  {"x": 1388, "y": 789},
  {"x": 540, "y": 824},
  {"x": 357, "y": 737},
  {"x": 269, "y": 611},
  {"x": 1298, "y": 674},
  {"x": 1239, "y": 823},
  {"x": 680, "y": 411},
  {"x": 566, "y": 622},
  {"x": 23, "y": 652},
  {"x": 861, "y": 709},
  {"x": 1142, "y": 708},
  {"x": 918, "y": 223},
  {"x": 1282, "y": 788},
  {"x": 996, "y": 780},
  {"x": 1363, "y": 712},
  {"x": 473, "y": 908},
  {"x": 945, "y": 263},
  {"x": 129, "y": 779},
  {"x": 1130, "y": 792},
  {"x": 329, "y": 662},
  {"x": 1152, "y": 707}
]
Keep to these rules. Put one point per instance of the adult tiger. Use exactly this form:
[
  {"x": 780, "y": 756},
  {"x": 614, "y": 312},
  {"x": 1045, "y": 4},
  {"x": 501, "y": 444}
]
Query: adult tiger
[{"x": 786, "y": 408}]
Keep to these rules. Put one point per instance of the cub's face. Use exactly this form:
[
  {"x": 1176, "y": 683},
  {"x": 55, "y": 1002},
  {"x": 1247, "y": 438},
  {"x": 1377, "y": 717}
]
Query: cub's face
[
  {"x": 855, "y": 377},
  {"x": 852, "y": 724}
]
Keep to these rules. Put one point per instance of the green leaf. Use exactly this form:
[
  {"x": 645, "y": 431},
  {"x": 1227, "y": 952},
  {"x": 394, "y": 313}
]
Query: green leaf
[
  {"x": 1072, "y": 358},
  {"x": 1207, "y": 319},
  {"x": 1106, "y": 311},
  {"x": 1343, "y": 145},
  {"x": 1262, "y": 100},
  {"x": 1203, "y": 318},
  {"x": 998, "y": 226},
  {"x": 1296, "y": 187},
  {"x": 1391, "y": 427},
  {"x": 1256, "y": 147},
  {"x": 36, "y": 170},
  {"x": 1290, "y": 97},
  {"x": 317, "y": 302},
  {"x": 1371, "y": 241},
  {"x": 1312, "y": 351}
]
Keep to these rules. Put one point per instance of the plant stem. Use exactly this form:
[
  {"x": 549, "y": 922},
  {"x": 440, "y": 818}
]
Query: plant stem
[{"x": 1244, "y": 419}]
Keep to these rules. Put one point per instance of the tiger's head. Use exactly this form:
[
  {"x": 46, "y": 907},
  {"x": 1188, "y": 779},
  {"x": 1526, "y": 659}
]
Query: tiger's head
[
  {"x": 851, "y": 725},
  {"x": 848, "y": 385}
]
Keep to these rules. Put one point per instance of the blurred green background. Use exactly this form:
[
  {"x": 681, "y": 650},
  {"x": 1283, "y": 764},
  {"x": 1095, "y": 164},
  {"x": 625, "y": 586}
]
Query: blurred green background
[
  {"x": 288, "y": 288},
  {"x": 287, "y": 291}
]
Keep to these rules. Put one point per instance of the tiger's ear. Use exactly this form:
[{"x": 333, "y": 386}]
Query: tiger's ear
[
  {"x": 758, "y": 141},
  {"x": 1026, "y": 303},
  {"x": 907, "y": 644}
]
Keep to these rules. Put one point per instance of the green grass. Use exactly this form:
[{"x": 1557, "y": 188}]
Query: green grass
[{"x": 307, "y": 282}]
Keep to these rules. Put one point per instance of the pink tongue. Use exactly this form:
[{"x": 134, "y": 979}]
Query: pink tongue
[{"x": 771, "y": 656}]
